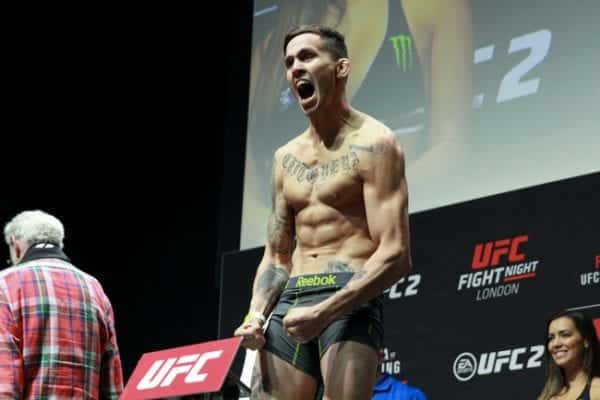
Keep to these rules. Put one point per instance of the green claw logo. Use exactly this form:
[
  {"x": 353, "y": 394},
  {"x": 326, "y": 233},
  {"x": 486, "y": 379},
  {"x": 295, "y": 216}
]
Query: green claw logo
[{"x": 403, "y": 50}]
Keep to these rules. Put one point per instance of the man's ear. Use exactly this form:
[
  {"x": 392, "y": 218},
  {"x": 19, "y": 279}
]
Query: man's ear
[
  {"x": 18, "y": 249},
  {"x": 342, "y": 69}
]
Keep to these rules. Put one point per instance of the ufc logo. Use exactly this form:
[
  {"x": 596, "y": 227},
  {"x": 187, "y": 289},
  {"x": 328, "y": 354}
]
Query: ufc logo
[
  {"x": 495, "y": 362},
  {"x": 490, "y": 253},
  {"x": 164, "y": 372}
]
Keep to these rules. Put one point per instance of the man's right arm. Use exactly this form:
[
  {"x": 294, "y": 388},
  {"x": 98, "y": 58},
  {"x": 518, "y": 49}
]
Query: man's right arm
[
  {"x": 275, "y": 267},
  {"x": 11, "y": 359}
]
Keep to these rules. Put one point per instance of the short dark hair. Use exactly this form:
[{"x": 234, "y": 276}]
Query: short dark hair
[{"x": 334, "y": 42}]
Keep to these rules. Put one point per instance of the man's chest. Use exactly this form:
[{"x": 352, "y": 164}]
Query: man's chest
[{"x": 334, "y": 178}]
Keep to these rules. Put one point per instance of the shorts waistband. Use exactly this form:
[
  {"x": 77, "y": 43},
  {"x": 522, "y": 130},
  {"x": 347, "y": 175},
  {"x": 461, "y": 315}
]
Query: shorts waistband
[{"x": 326, "y": 280}]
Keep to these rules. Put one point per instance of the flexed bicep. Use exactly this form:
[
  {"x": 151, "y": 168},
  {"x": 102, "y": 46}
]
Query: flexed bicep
[{"x": 386, "y": 204}]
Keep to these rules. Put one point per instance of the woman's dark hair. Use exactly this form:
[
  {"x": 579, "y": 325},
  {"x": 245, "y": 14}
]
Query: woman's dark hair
[{"x": 555, "y": 376}]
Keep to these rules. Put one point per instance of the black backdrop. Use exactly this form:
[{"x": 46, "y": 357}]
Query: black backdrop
[
  {"x": 115, "y": 117},
  {"x": 485, "y": 341}
]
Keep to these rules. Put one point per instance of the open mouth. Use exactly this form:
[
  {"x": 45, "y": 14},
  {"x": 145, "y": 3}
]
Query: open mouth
[{"x": 305, "y": 90}]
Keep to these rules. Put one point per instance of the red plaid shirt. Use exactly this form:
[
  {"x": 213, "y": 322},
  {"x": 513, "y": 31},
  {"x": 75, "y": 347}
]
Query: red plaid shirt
[{"x": 57, "y": 336}]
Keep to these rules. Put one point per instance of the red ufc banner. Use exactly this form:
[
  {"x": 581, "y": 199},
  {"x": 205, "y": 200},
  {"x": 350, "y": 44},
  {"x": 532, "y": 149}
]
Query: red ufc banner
[{"x": 180, "y": 371}]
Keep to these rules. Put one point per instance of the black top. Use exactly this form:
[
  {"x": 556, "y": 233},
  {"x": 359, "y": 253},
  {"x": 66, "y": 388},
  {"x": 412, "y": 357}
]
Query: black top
[{"x": 585, "y": 393}]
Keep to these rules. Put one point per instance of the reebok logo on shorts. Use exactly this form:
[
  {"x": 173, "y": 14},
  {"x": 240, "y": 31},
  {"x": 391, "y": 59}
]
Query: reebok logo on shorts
[{"x": 316, "y": 280}]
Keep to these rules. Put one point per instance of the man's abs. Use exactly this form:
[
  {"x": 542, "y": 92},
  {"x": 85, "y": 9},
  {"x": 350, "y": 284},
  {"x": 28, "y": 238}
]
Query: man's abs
[
  {"x": 347, "y": 255},
  {"x": 330, "y": 239}
]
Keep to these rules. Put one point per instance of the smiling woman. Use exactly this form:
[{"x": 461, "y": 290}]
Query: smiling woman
[{"x": 572, "y": 358}]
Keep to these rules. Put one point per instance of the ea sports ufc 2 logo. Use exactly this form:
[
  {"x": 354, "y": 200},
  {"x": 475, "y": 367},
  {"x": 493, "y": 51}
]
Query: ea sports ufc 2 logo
[
  {"x": 493, "y": 280},
  {"x": 163, "y": 372},
  {"x": 467, "y": 365}
]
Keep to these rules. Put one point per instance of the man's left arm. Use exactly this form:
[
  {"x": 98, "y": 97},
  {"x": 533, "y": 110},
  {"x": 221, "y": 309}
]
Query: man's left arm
[
  {"x": 111, "y": 373},
  {"x": 386, "y": 203}
]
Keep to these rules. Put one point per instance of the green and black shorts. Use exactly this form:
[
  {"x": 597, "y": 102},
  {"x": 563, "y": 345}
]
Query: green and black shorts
[{"x": 363, "y": 325}]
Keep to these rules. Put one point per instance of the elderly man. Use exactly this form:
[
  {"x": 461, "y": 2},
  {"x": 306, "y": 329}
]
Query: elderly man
[{"x": 57, "y": 334}]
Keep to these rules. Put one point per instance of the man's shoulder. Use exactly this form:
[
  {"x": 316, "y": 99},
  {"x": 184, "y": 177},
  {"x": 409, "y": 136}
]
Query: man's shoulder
[
  {"x": 377, "y": 143},
  {"x": 372, "y": 132},
  {"x": 32, "y": 266},
  {"x": 8, "y": 272},
  {"x": 19, "y": 270}
]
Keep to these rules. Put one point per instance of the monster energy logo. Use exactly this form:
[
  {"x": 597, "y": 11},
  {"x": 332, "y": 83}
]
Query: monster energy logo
[{"x": 403, "y": 50}]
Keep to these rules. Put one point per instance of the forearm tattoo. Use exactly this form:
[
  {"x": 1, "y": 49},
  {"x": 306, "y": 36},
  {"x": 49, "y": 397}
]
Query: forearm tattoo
[{"x": 270, "y": 283}]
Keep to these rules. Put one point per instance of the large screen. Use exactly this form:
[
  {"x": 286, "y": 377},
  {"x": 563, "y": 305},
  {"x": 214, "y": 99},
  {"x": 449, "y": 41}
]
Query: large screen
[{"x": 484, "y": 96}]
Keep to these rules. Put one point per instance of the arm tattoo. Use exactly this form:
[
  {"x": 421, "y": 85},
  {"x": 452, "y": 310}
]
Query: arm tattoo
[
  {"x": 280, "y": 227},
  {"x": 271, "y": 283},
  {"x": 378, "y": 148},
  {"x": 338, "y": 266},
  {"x": 280, "y": 233},
  {"x": 368, "y": 149}
]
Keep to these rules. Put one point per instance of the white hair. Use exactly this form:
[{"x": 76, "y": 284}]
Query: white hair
[{"x": 34, "y": 227}]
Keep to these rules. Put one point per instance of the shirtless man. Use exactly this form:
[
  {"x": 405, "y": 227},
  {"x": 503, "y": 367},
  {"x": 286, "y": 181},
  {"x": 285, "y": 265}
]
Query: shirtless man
[{"x": 338, "y": 236}]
